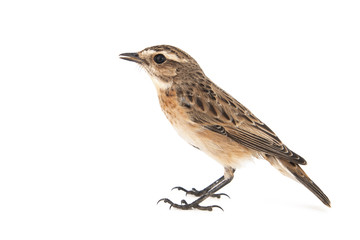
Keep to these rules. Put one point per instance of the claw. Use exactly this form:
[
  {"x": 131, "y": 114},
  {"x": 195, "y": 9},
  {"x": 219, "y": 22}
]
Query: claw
[
  {"x": 166, "y": 200},
  {"x": 180, "y": 189},
  {"x": 193, "y": 191},
  {"x": 185, "y": 206},
  {"x": 209, "y": 208},
  {"x": 218, "y": 195},
  {"x": 217, "y": 206}
]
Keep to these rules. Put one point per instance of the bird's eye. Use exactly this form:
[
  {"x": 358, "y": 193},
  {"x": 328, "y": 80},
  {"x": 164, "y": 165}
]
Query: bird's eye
[{"x": 159, "y": 58}]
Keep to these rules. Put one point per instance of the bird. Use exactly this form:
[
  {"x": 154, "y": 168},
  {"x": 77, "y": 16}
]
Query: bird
[{"x": 211, "y": 120}]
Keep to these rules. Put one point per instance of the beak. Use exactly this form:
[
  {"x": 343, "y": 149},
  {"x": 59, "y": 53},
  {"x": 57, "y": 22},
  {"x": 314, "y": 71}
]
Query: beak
[{"x": 134, "y": 57}]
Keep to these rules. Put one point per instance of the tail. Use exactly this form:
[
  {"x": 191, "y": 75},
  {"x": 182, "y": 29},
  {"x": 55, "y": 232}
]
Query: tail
[
  {"x": 301, "y": 176},
  {"x": 294, "y": 171}
]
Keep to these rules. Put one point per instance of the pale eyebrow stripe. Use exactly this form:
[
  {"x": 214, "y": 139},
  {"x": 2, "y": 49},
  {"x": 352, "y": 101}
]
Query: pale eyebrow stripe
[{"x": 171, "y": 56}]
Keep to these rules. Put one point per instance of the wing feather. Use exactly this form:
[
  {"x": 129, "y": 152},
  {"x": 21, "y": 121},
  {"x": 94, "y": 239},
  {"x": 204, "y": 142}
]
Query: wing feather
[{"x": 217, "y": 111}]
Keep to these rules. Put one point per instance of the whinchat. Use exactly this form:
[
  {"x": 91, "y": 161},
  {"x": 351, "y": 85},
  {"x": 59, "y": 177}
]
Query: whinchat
[{"x": 214, "y": 122}]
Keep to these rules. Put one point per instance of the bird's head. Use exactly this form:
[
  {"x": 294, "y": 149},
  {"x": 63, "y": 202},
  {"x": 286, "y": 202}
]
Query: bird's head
[{"x": 164, "y": 63}]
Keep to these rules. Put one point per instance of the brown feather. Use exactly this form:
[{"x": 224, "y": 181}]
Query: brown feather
[
  {"x": 238, "y": 122},
  {"x": 211, "y": 120},
  {"x": 303, "y": 178}
]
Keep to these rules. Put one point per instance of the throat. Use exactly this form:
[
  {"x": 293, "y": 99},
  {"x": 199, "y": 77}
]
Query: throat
[{"x": 160, "y": 84}]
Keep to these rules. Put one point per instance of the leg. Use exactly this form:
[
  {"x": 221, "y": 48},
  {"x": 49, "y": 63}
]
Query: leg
[
  {"x": 208, "y": 191},
  {"x": 198, "y": 193}
]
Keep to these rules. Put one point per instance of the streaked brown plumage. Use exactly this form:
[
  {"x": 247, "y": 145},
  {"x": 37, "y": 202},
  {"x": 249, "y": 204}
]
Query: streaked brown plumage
[{"x": 213, "y": 121}]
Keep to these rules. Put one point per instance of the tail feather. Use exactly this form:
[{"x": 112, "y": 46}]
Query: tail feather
[
  {"x": 301, "y": 176},
  {"x": 309, "y": 184}
]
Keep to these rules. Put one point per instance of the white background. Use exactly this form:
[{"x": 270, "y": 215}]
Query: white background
[{"x": 85, "y": 151}]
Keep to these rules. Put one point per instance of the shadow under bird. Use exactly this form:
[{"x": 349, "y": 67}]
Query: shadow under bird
[{"x": 214, "y": 122}]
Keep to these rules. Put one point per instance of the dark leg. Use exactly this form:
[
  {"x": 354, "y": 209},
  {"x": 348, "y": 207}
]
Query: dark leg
[
  {"x": 198, "y": 193},
  {"x": 207, "y": 192}
]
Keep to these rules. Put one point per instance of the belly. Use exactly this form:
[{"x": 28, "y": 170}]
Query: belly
[{"x": 221, "y": 148}]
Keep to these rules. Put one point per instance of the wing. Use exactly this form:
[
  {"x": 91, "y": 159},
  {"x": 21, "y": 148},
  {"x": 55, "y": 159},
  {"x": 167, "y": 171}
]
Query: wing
[{"x": 217, "y": 111}]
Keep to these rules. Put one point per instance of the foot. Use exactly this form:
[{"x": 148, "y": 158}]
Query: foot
[
  {"x": 185, "y": 206},
  {"x": 197, "y": 193}
]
